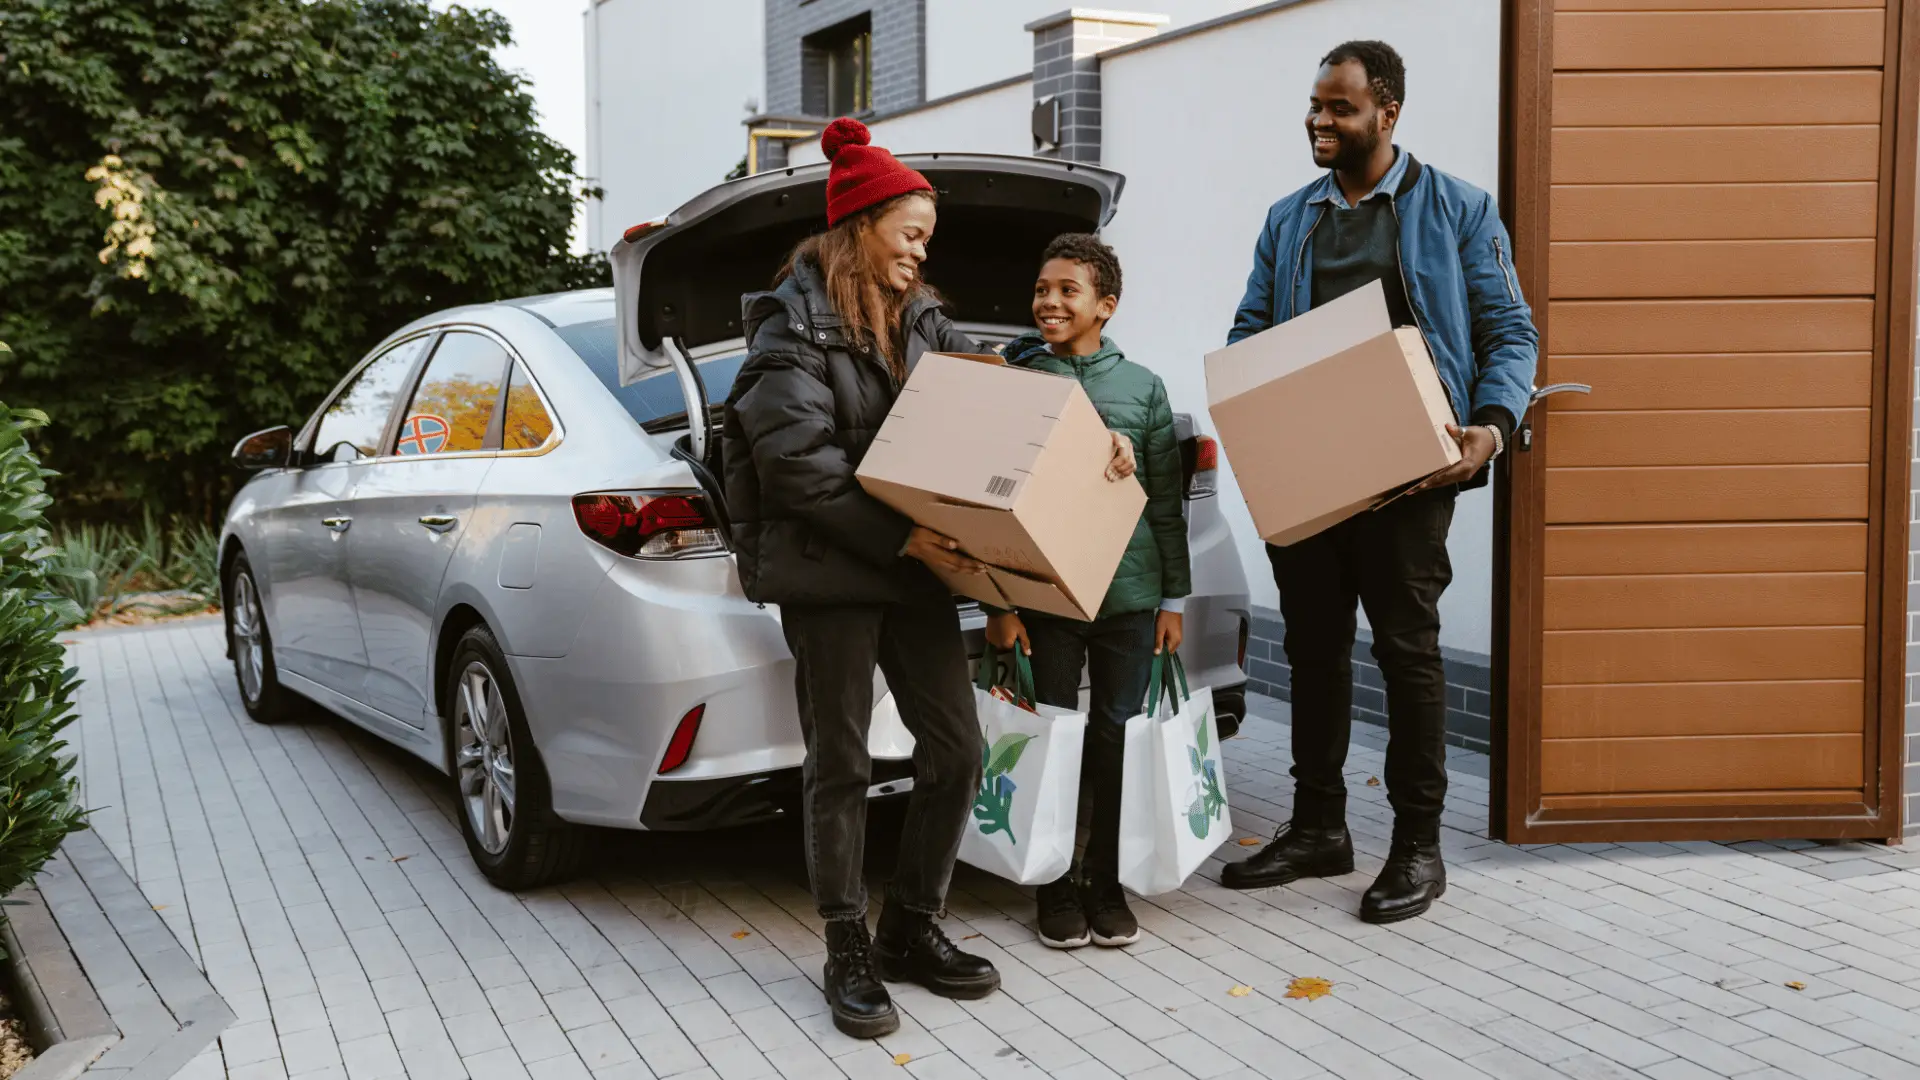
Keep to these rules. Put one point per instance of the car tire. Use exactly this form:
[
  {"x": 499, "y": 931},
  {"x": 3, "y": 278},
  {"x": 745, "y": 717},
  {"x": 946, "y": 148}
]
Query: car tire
[
  {"x": 251, "y": 645},
  {"x": 500, "y": 787}
]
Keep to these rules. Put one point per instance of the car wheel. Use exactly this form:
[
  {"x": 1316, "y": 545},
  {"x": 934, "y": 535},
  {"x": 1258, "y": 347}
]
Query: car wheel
[
  {"x": 506, "y": 805},
  {"x": 252, "y": 647}
]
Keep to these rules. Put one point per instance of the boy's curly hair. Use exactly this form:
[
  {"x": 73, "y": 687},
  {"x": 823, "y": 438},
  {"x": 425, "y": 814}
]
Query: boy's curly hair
[{"x": 1087, "y": 250}]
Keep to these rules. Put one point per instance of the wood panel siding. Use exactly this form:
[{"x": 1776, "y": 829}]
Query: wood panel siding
[{"x": 1711, "y": 253}]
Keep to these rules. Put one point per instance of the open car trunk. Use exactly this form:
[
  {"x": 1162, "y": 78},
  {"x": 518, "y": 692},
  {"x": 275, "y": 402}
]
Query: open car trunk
[{"x": 678, "y": 281}]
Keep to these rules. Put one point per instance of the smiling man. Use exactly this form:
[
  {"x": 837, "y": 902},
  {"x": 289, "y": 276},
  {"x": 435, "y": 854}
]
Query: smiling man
[{"x": 1436, "y": 245}]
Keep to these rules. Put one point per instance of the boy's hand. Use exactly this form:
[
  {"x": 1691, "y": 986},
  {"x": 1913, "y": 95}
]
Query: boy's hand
[
  {"x": 1476, "y": 447},
  {"x": 1006, "y": 628},
  {"x": 1120, "y": 466},
  {"x": 1168, "y": 632},
  {"x": 941, "y": 552}
]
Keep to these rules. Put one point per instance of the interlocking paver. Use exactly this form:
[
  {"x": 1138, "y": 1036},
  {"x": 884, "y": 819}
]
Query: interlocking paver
[{"x": 318, "y": 877}]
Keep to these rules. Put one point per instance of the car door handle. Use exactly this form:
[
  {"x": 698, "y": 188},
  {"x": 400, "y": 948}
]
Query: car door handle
[
  {"x": 337, "y": 524},
  {"x": 439, "y": 522}
]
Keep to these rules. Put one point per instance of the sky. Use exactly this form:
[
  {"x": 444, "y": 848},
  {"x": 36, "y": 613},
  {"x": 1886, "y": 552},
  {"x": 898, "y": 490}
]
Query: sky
[{"x": 549, "y": 50}]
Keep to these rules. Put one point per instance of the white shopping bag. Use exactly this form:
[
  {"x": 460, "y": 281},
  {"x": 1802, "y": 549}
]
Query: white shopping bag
[
  {"x": 1173, "y": 792},
  {"x": 1024, "y": 814}
]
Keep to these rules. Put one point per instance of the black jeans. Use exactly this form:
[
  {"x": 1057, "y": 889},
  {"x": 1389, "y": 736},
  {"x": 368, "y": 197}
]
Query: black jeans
[
  {"x": 918, "y": 647},
  {"x": 1393, "y": 561},
  {"x": 1118, "y": 654}
]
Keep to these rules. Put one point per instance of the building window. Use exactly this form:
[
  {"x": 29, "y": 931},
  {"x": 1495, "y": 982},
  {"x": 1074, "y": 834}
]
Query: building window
[{"x": 838, "y": 69}]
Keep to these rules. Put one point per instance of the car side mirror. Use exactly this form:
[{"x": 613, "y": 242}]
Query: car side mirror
[{"x": 269, "y": 449}]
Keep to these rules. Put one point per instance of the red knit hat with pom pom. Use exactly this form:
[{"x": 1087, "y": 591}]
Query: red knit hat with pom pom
[{"x": 861, "y": 175}]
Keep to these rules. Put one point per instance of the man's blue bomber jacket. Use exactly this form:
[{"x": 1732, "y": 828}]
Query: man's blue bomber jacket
[{"x": 1458, "y": 263}]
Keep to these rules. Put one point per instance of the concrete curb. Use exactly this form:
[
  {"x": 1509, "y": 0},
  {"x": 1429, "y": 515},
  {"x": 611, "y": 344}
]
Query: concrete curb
[{"x": 65, "y": 1017}]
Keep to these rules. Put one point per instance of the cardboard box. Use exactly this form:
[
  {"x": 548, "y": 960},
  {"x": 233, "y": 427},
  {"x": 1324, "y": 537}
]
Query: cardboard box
[
  {"x": 1328, "y": 414},
  {"x": 1012, "y": 463}
]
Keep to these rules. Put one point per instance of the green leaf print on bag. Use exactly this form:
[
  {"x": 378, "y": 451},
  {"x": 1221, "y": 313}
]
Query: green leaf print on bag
[
  {"x": 993, "y": 806},
  {"x": 1206, "y": 798}
]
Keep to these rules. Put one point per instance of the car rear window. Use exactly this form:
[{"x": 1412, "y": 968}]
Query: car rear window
[{"x": 654, "y": 398}]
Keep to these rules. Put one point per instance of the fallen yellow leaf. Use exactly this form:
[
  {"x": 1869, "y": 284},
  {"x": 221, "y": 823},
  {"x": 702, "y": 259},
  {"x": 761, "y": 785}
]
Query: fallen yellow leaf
[
  {"x": 401, "y": 858},
  {"x": 1796, "y": 986},
  {"x": 1240, "y": 991},
  {"x": 1309, "y": 988},
  {"x": 1373, "y": 781},
  {"x": 902, "y": 1059},
  {"x": 1249, "y": 841},
  {"x": 741, "y": 935},
  {"x": 159, "y": 907}
]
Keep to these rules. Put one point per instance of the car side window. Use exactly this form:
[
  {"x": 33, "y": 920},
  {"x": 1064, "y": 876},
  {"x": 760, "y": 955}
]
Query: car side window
[
  {"x": 352, "y": 426},
  {"x": 527, "y": 425},
  {"x": 452, "y": 410}
]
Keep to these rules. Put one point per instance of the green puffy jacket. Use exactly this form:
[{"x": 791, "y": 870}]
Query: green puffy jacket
[{"x": 1132, "y": 401}]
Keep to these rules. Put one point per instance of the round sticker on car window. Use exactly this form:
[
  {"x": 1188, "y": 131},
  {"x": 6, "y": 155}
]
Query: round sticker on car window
[{"x": 423, "y": 433}]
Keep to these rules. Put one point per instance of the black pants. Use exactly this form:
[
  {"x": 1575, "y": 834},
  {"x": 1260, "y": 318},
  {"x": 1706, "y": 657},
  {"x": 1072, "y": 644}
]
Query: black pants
[
  {"x": 918, "y": 647},
  {"x": 1392, "y": 561},
  {"x": 1118, "y": 655}
]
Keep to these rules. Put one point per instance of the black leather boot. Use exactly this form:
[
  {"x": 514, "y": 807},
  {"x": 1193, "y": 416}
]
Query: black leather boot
[
  {"x": 911, "y": 947},
  {"x": 862, "y": 1009},
  {"x": 1295, "y": 852},
  {"x": 1412, "y": 880}
]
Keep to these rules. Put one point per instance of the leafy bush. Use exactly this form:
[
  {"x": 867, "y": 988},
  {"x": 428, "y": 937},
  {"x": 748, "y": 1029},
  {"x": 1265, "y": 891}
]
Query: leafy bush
[
  {"x": 37, "y": 807},
  {"x": 210, "y": 209}
]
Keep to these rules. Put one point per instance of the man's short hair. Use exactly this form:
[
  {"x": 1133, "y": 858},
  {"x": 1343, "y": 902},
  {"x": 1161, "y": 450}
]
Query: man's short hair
[
  {"x": 1386, "y": 72},
  {"x": 1087, "y": 250}
]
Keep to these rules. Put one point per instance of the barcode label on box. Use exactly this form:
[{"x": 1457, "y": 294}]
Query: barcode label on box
[{"x": 999, "y": 487}]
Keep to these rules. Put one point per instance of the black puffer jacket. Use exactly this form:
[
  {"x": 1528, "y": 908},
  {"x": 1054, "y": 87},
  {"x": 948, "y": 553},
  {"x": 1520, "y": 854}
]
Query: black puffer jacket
[{"x": 799, "y": 419}]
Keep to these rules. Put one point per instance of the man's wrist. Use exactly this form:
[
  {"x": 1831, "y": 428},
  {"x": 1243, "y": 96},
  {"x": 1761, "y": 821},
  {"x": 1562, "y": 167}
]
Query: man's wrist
[{"x": 1499, "y": 441}]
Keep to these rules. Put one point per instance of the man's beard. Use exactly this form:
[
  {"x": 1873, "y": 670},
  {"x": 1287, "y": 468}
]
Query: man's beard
[{"x": 1354, "y": 152}]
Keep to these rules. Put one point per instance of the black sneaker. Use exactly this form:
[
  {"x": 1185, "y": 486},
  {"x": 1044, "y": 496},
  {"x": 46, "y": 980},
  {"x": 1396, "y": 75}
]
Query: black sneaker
[
  {"x": 1063, "y": 919},
  {"x": 1113, "y": 925}
]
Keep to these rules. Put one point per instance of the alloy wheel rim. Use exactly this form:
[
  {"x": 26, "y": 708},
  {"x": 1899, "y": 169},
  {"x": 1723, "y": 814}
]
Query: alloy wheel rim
[
  {"x": 249, "y": 654},
  {"x": 484, "y": 756}
]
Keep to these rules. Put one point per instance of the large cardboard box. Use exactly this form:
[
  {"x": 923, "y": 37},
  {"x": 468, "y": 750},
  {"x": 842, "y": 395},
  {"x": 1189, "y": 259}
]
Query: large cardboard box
[
  {"x": 1328, "y": 414},
  {"x": 1012, "y": 463}
]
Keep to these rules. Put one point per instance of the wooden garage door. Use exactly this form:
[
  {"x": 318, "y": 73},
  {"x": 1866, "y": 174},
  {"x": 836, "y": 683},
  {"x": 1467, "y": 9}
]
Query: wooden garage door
[{"x": 1704, "y": 201}]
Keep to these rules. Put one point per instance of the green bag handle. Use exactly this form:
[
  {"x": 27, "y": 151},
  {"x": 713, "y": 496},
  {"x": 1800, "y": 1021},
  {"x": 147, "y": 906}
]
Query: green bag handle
[
  {"x": 1022, "y": 674},
  {"x": 1169, "y": 677}
]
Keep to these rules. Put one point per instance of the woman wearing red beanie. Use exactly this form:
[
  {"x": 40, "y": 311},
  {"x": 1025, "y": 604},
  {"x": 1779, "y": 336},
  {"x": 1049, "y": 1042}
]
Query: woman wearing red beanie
[{"x": 829, "y": 349}]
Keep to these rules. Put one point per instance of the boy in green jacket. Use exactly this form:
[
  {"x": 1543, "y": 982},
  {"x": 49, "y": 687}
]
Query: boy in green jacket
[{"x": 1077, "y": 292}]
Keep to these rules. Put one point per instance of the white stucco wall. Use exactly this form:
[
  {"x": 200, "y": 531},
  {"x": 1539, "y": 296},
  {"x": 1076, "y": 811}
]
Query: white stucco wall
[
  {"x": 1204, "y": 158},
  {"x": 667, "y": 88},
  {"x": 974, "y": 42},
  {"x": 995, "y": 122}
]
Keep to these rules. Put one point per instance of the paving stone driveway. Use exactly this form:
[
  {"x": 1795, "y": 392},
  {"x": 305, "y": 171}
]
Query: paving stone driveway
[{"x": 318, "y": 877}]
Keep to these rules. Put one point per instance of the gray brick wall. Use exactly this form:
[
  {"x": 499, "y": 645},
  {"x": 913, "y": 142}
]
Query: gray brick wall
[
  {"x": 1066, "y": 66},
  {"x": 899, "y": 51},
  {"x": 1910, "y": 818},
  {"x": 1469, "y": 682}
]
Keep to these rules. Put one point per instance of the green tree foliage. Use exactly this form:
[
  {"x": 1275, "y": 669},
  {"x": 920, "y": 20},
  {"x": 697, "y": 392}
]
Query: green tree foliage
[
  {"x": 210, "y": 209},
  {"x": 36, "y": 685}
]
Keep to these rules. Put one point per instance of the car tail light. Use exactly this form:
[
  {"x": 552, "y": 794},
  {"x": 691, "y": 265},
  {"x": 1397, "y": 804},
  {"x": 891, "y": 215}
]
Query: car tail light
[
  {"x": 677, "y": 524},
  {"x": 1242, "y": 655},
  {"x": 680, "y": 747},
  {"x": 635, "y": 232},
  {"x": 1206, "y": 464}
]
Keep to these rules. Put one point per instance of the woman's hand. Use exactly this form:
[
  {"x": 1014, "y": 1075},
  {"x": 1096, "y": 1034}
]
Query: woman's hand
[
  {"x": 941, "y": 552},
  {"x": 1004, "y": 629},
  {"x": 1168, "y": 632},
  {"x": 1120, "y": 466}
]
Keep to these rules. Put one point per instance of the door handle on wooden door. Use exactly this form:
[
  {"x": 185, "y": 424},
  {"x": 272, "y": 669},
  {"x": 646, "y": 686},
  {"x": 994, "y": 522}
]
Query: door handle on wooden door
[{"x": 1524, "y": 437}]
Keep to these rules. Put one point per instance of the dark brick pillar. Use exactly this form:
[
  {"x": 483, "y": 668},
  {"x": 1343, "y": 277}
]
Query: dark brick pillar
[{"x": 1066, "y": 76}]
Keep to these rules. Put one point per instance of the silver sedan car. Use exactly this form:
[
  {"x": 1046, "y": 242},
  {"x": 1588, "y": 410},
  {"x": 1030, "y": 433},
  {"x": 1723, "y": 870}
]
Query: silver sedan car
[{"x": 501, "y": 543}]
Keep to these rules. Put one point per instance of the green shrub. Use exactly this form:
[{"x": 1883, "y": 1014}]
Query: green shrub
[
  {"x": 37, "y": 808},
  {"x": 97, "y": 566}
]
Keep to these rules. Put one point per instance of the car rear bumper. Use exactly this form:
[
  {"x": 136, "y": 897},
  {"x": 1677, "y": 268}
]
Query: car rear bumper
[{"x": 721, "y": 802}]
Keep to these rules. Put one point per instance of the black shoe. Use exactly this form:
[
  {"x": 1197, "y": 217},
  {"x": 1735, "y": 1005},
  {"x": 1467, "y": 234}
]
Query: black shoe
[
  {"x": 1063, "y": 919},
  {"x": 1412, "y": 880},
  {"x": 1113, "y": 924},
  {"x": 911, "y": 947},
  {"x": 861, "y": 1006},
  {"x": 1295, "y": 852}
]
